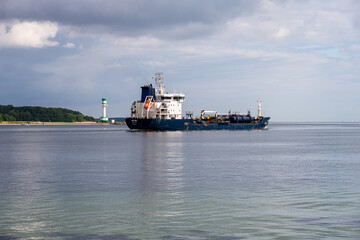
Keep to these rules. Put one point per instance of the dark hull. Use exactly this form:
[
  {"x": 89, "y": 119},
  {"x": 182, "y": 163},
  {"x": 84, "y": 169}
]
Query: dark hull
[{"x": 189, "y": 124}]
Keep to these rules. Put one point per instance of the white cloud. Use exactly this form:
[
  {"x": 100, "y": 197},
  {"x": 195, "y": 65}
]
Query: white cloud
[
  {"x": 69, "y": 45},
  {"x": 137, "y": 42},
  {"x": 296, "y": 22},
  {"x": 281, "y": 33},
  {"x": 156, "y": 63},
  {"x": 28, "y": 34}
]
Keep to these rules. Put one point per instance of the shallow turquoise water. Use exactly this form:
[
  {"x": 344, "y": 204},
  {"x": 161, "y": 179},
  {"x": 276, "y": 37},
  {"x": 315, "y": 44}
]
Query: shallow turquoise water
[{"x": 293, "y": 181}]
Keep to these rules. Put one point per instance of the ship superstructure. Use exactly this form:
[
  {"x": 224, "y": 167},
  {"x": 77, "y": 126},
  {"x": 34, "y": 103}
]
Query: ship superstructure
[
  {"x": 159, "y": 110},
  {"x": 156, "y": 103}
]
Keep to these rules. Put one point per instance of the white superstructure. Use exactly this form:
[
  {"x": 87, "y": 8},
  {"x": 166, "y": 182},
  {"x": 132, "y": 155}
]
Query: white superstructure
[{"x": 155, "y": 103}]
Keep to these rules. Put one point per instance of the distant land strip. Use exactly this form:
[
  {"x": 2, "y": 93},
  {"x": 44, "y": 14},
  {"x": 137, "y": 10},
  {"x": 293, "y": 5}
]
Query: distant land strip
[{"x": 9, "y": 113}]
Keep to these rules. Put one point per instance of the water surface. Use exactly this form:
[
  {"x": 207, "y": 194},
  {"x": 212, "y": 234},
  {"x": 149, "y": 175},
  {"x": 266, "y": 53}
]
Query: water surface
[{"x": 293, "y": 181}]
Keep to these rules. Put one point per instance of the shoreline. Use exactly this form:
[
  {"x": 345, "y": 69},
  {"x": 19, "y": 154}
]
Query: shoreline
[{"x": 28, "y": 123}]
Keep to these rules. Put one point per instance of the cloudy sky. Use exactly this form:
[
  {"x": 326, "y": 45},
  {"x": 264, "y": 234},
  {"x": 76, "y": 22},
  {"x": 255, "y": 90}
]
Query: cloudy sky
[{"x": 302, "y": 58}]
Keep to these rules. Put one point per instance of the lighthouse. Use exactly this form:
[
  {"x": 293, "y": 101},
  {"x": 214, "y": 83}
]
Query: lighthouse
[
  {"x": 259, "y": 108},
  {"x": 104, "y": 104}
]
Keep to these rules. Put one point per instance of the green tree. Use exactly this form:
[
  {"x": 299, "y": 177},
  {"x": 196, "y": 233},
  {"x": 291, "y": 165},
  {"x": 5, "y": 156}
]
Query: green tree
[
  {"x": 4, "y": 109},
  {"x": 25, "y": 116},
  {"x": 44, "y": 117},
  {"x": 89, "y": 118},
  {"x": 8, "y": 117},
  {"x": 79, "y": 118},
  {"x": 26, "y": 113},
  {"x": 69, "y": 117},
  {"x": 14, "y": 113}
]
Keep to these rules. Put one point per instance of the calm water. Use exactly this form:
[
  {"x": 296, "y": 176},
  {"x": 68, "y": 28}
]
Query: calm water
[{"x": 293, "y": 181}]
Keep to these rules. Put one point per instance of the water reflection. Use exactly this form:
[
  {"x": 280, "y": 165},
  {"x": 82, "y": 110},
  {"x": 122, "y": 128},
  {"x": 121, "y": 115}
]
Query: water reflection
[
  {"x": 162, "y": 173},
  {"x": 26, "y": 195}
]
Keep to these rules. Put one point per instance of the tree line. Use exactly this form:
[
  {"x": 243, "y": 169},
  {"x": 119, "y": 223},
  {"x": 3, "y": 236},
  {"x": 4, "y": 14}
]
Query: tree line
[{"x": 42, "y": 114}]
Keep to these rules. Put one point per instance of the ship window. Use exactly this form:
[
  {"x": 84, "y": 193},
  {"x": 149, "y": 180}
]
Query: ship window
[
  {"x": 165, "y": 98},
  {"x": 178, "y": 98}
]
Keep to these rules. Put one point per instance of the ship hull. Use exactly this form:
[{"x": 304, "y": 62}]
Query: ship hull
[{"x": 190, "y": 124}]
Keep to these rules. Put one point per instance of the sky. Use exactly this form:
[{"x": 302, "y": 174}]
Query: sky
[{"x": 301, "y": 58}]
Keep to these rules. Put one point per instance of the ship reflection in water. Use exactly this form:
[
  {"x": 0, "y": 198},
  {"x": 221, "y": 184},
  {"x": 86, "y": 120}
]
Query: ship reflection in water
[{"x": 163, "y": 173}]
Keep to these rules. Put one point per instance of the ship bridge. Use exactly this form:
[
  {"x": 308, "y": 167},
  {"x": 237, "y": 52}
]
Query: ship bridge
[{"x": 155, "y": 103}]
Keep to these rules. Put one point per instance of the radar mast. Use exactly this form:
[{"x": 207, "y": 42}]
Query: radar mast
[{"x": 159, "y": 81}]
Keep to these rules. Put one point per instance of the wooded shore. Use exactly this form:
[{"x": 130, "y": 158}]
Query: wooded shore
[{"x": 9, "y": 123}]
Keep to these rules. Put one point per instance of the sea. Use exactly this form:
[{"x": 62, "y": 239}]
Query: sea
[{"x": 291, "y": 181}]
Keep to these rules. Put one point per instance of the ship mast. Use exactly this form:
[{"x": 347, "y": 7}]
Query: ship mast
[{"x": 159, "y": 81}]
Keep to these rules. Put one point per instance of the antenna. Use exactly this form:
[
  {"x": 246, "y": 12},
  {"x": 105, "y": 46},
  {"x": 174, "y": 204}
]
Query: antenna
[{"x": 159, "y": 81}]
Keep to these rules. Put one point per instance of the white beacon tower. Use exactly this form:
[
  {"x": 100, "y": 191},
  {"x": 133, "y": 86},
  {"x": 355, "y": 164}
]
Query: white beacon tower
[
  {"x": 259, "y": 107},
  {"x": 103, "y": 117}
]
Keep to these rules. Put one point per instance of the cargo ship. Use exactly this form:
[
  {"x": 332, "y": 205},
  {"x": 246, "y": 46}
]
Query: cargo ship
[{"x": 161, "y": 111}]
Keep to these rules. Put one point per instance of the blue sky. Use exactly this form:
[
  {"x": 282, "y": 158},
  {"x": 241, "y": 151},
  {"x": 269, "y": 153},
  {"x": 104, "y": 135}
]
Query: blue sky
[{"x": 301, "y": 58}]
